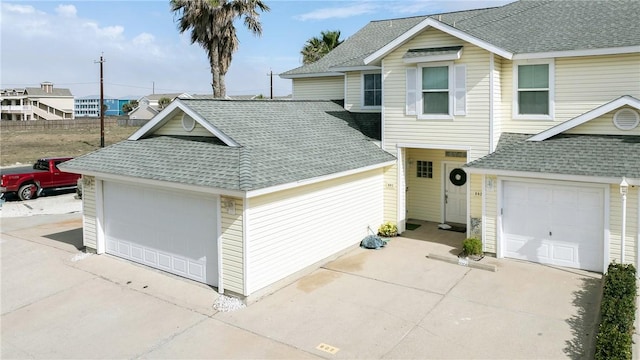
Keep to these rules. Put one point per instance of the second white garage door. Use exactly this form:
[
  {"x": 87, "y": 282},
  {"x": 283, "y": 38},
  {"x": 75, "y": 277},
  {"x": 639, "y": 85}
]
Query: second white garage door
[
  {"x": 171, "y": 231},
  {"x": 554, "y": 224}
]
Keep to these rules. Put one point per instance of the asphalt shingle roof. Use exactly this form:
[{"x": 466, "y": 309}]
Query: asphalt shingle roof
[
  {"x": 570, "y": 154},
  {"x": 280, "y": 142},
  {"x": 526, "y": 26},
  {"x": 36, "y": 91}
]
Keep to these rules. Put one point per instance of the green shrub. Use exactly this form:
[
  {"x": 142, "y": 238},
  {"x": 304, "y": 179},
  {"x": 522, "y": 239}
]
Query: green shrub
[
  {"x": 472, "y": 246},
  {"x": 617, "y": 313},
  {"x": 388, "y": 229}
]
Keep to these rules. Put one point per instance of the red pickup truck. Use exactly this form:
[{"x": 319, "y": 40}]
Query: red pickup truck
[{"x": 29, "y": 182}]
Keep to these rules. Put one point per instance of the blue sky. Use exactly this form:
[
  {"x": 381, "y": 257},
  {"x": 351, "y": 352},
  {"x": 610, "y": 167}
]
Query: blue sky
[{"x": 59, "y": 41}]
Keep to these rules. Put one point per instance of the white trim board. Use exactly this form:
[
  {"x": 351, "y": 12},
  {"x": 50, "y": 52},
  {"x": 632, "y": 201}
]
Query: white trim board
[
  {"x": 551, "y": 176},
  {"x": 589, "y": 115},
  {"x": 311, "y": 75},
  {"x": 431, "y": 22},
  {"x": 166, "y": 115},
  {"x": 315, "y": 180}
]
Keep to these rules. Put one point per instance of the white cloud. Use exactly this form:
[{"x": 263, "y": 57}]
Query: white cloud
[
  {"x": 66, "y": 11},
  {"x": 338, "y": 12},
  {"x": 18, "y": 9},
  {"x": 111, "y": 32},
  {"x": 143, "y": 39}
]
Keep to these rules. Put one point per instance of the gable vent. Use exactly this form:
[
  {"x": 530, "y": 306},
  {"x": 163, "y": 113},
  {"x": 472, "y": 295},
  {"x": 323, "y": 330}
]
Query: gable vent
[
  {"x": 626, "y": 119},
  {"x": 188, "y": 123}
]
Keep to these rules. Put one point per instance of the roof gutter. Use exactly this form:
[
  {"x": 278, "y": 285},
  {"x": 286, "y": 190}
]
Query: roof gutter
[
  {"x": 310, "y": 75},
  {"x": 315, "y": 180},
  {"x": 153, "y": 182},
  {"x": 551, "y": 176}
]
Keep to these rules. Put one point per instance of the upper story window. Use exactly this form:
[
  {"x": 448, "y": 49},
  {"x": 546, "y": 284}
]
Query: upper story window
[
  {"x": 371, "y": 90},
  {"x": 436, "y": 91},
  {"x": 533, "y": 90}
]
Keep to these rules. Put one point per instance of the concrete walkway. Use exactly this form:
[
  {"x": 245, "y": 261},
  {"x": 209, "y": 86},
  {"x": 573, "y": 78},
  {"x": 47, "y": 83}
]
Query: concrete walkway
[{"x": 391, "y": 303}]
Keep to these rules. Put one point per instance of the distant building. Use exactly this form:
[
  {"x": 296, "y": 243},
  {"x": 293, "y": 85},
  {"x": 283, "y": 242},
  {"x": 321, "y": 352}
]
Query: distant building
[
  {"x": 89, "y": 106},
  {"x": 33, "y": 103},
  {"x": 148, "y": 106}
]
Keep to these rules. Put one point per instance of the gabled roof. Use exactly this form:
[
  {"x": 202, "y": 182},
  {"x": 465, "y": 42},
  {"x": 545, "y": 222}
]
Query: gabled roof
[
  {"x": 522, "y": 29},
  {"x": 259, "y": 145},
  {"x": 373, "y": 36},
  {"x": 598, "y": 156},
  {"x": 36, "y": 91},
  {"x": 590, "y": 115},
  {"x": 156, "y": 97}
]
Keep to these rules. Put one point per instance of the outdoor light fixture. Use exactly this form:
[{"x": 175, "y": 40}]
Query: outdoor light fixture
[
  {"x": 624, "y": 189},
  {"x": 624, "y": 186}
]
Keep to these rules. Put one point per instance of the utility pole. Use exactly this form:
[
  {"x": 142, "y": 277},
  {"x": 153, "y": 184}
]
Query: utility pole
[
  {"x": 270, "y": 74},
  {"x": 101, "y": 101}
]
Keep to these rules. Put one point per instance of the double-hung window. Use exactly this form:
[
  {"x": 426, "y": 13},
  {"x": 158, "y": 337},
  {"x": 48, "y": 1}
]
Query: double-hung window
[
  {"x": 371, "y": 90},
  {"x": 533, "y": 90},
  {"x": 436, "y": 91}
]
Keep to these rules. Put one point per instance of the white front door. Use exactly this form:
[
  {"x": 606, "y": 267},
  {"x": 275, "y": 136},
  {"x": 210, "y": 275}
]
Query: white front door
[
  {"x": 168, "y": 230},
  {"x": 455, "y": 193},
  {"x": 554, "y": 224}
]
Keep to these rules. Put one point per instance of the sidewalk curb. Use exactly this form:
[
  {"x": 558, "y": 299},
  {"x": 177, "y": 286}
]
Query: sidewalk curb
[{"x": 463, "y": 262}]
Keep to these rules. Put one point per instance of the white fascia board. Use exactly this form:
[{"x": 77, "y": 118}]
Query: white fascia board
[
  {"x": 311, "y": 75},
  {"x": 167, "y": 113},
  {"x": 550, "y": 176},
  {"x": 430, "y": 22},
  {"x": 584, "y": 52},
  {"x": 164, "y": 184},
  {"x": 356, "y": 68},
  {"x": 315, "y": 180},
  {"x": 156, "y": 121},
  {"x": 590, "y": 115},
  {"x": 434, "y": 146}
]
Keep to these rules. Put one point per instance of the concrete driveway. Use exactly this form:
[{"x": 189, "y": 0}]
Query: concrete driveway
[{"x": 388, "y": 303}]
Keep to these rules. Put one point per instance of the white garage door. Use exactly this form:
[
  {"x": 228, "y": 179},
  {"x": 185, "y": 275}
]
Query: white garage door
[
  {"x": 554, "y": 224},
  {"x": 171, "y": 231}
]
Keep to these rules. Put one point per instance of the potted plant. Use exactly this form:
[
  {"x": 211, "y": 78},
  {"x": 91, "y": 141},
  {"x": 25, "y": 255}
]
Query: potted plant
[
  {"x": 388, "y": 229},
  {"x": 472, "y": 248}
]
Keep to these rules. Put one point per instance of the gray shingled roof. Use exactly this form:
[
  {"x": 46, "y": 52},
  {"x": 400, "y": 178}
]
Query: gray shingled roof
[
  {"x": 569, "y": 154},
  {"x": 527, "y": 26},
  {"x": 36, "y": 91},
  {"x": 281, "y": 142}
]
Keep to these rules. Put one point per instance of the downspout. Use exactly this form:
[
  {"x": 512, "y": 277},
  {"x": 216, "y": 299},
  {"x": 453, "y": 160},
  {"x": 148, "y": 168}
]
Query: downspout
[
  {"x": 624, "y": 186},
  {"x": 220, "y": 248},
  {"x": 483, "y": 232},
  {"x": 344, "y": 102},
  {"x": 491, "y": 100},
  {"x": 638, "y": 228}
]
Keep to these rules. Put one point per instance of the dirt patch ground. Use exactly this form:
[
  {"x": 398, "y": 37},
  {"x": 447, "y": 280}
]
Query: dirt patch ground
[{"x": 24, "y": 147}]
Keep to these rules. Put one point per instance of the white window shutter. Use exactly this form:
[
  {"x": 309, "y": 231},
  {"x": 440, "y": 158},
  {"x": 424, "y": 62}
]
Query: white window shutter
[
  {"x": 412, "y": 93},
  {"x": 460, "y": 90}
]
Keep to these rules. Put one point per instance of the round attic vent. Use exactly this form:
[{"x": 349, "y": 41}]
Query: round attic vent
[
  {"x": 626, "y": 119},
  {"x": 188, "y": 123}
]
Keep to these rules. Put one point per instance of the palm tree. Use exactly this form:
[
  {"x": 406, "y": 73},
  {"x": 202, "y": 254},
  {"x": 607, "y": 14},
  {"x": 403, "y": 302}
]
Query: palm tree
[
  {"x": 163, "y": 102},
  {"x": 317, "y": 47},
  {"x": 211, "y": 25}
]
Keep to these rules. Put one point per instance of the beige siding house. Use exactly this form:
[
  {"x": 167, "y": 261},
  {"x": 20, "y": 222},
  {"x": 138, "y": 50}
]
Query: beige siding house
[
  {"x": 515, "y": 122},
  {"x": 240, "y": 195},
  {"x": 32, "y": 103}
]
